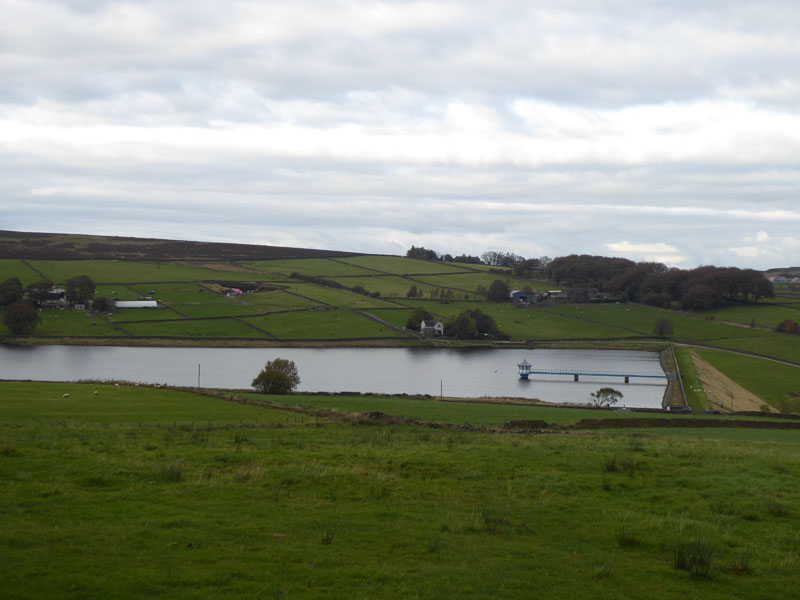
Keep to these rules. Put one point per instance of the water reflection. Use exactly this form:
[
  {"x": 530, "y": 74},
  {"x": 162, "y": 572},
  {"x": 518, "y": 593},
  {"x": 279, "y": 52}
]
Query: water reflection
[{"x": 458, "y": 372}]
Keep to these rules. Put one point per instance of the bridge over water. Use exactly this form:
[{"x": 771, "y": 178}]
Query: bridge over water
[{"x": 526, "y": 369}]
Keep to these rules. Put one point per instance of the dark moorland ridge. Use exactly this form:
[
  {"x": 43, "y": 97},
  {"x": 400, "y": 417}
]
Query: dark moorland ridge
[{"x": 65, "y": 246}]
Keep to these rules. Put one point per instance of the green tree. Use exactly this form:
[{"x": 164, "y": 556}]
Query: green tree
[
  {"x": 605, "y": 397},
  {"x": 21, "y": 318},
  {"x": 498, "y": 291},
  {"x": 663, "y": 327},
  {"x": 10, "y": 291},
  {"x": 462, "y": 327},
  {"x": 79, "y": 289},
  {"x": 101, "y": 303},
  {"x": 418, "y": 315},
  {"x": 39, "y": 291},
  {"x": 279, "y": 376}
]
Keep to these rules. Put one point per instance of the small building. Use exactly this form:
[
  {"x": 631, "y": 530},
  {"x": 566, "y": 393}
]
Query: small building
[
  {"x": 137, "y": 304},
  {"x": 431, "y": 327},
  {"x": 521, "y": 296},
  {"x": 54, "y": 297}
]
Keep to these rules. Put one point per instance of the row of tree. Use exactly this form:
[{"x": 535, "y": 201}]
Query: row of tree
[
  {"x": 492, "y": 258},
  {"x": 655, "y": 284},
  {"x": 20, "y": 315},
  {"x": 76, "y": 289}
]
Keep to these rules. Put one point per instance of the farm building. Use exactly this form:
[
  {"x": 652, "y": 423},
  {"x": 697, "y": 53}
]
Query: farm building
[
  {"x": 137, "y": 304},
  {"x": 521, "y": 296}
]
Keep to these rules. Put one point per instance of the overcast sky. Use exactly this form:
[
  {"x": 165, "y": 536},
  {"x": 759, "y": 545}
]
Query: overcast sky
[{"x": 654, "y": 130}]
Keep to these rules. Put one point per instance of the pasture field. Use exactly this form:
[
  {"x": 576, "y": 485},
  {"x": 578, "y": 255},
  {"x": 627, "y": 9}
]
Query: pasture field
[
  {"x": 776, "y": 345},
  {"x": 777, "y": 384},
  {"x": 695, "y": 395},
  {"x": 113, "y": 271},
  {"x": 259, "y": 302},
  {"x": 471, "y": 281},
  {"x": 195, "y": 301},
  {"x": 397, "y": 317},
  {"x": 126, "y": 315},
  {"x": 641, "y": 319},
  {"x": 317, "y": 267},
  {"x": 25, "y": 402},
  {"x": 528, "y": 324},
  {"x": 388, "y": 285},
  {"x": 101, "y": 502},
  {"x": 404, "y": 266},
  {"x": 762, "y": 315},
  {"x": 58, "y": 322},
  {"x": 328, "y": 324},
  {"x": 487, "y": 412},
  {"x": 335, "y": 297},
  {"x": 119, "y": 271},
  {"x": 119, "y": 292},
  {"x": 194, "y": 328},
  {"x": 10, "y": 267}
]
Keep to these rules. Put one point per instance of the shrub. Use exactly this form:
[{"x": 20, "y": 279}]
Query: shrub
[
  {"x": 694, "y": 556},
  {"x": 788, "y": 326},
  {"x": 279, "y": 376}
]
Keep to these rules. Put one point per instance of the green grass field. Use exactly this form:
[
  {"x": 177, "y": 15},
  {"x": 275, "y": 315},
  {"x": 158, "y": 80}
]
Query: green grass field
[
  {"x": 113, "y": 271},
  {"x": 335, "y": 297},
  {"x": 695, "y": 394},
  {"x": 777, "y": 384},
  {"x": 56, "y": 322},
  {"x": 318, "y": 267},
  {"x": 776, "y": 345},
  {"x": 476, "y": 413},
  {"x": 641, "y": 319},
  {"x": 403, "y": 266},
  {"x": 194, "y": 328},
  {"x": 388, "y": 286},
  {"x": 10, "y": 267},
  {"x": 101, "y": 497},
  {"x": 762, "y": 315},
  {"x": 471, "y": 281},
  {"x": 328, "y": 324}
]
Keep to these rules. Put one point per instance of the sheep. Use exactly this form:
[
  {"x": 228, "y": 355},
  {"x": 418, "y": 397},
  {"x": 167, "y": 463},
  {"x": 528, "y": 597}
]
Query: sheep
[
  {"x": 95, "y": 392},
  {"x": 65, "y": 396},
  {"x": 116, "y": 385}
]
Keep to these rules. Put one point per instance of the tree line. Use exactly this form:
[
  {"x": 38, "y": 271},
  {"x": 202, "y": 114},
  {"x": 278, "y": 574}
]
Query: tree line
[
  {"x": 20, "y": 314},
  {"x": 493, "y": 258},
  {"x": 655, "y": 284}
]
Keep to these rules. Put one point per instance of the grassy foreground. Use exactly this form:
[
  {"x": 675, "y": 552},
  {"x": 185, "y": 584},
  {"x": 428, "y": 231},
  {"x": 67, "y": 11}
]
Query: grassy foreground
[{"x": 100, "y": 498}]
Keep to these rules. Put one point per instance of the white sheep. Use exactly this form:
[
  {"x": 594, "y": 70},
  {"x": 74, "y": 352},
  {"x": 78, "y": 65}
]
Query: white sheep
[{"x": 65, "y": 396}]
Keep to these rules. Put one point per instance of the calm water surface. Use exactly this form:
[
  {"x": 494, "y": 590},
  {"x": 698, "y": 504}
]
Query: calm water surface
[{"x": 464, "y": 373}]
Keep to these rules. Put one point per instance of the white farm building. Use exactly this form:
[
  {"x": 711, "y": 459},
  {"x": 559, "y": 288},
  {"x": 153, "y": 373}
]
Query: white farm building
[{"x": 137, "y": 304}]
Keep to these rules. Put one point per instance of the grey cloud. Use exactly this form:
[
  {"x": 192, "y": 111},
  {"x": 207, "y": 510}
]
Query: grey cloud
[{"x": 405, "y": 128}]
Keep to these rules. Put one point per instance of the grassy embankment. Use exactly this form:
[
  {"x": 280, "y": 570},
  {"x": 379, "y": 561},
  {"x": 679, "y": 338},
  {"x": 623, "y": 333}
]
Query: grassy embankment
[{"x": 98, "y": 502}]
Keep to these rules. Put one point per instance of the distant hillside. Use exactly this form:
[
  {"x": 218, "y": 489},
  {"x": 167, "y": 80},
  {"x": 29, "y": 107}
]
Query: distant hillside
[
  {"x": 65, "y": 246},
  {"x": 785, "y": 271}
]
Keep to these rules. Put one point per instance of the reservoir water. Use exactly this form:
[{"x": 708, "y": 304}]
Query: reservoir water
[{"x": 456, "y": 372}]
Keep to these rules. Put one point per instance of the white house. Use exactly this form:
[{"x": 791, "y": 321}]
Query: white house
[{"x": 434, "y": 327}]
